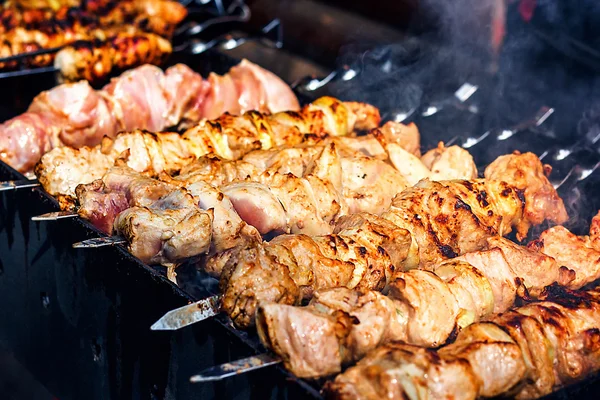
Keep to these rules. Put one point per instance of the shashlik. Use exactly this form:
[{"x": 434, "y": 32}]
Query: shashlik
[
  {"x": 424, "y": 308},
  {"x": 326, "y": 192},
  {"x": 442, "y": 220},
  {"x": 524, "y": 353},
  {"x": 230, "y": 137},
  {"x": 142, "y": 98},
  {"x": 156, "y": 16},
  {"x": 95, "y": 60},
  {"x": 99, "y": 38},
  {"x": 42, "y": 4}
]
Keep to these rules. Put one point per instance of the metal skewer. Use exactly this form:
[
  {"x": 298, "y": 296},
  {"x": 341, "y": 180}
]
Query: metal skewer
[
  {"x": 189, "y": 314},
  {"x": 14, "y": 185},
  {"x": 99, "y": 242},
  {"x": 233, "y": 368},
  {"x": 55, "y": 215}
]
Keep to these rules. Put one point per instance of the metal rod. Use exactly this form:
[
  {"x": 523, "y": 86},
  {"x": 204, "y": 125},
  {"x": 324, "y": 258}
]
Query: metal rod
[
  {"x": 14, "y": 185},
  {"x": 53, "y": 216},
  {"x": 99, "y": 242},
  {"x": 189, "y": 314},
  {"x": 233, "y": 368}
]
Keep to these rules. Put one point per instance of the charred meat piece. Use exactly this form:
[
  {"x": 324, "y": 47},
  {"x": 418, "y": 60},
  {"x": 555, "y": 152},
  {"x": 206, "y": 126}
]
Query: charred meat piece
[
  {"x": 526, "y": 172},
  {"x": 96, "y": 60}
]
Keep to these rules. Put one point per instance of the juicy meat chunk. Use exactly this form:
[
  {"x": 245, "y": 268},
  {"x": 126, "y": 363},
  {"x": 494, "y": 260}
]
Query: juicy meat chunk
[
  {"x": 173, "y": 229},
  {"x": 526, "y": 172}
]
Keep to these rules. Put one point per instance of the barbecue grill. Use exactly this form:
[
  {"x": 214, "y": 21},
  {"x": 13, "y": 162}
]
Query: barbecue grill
[{"x": 78, "y": 320}]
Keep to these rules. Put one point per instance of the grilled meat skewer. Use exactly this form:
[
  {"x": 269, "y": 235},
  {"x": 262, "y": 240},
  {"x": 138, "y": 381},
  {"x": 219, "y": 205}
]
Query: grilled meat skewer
[
  {"x": 442, "y": 219},
  {"x": 62, "y": 169},
  {"x": 524, "y": 353},
  {"x": 155, "y": 16},
  {"x": 96, "y": 60},
  {"x": 423, "y": 308},
  {"x": 266, "y": 190},
  {"x": 123, "y": 202},
  {"x": 142, "y": 98}
]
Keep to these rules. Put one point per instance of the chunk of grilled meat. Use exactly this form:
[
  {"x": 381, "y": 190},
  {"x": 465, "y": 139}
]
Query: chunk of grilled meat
[
  {"x": 444, "y": 219},
  {"x": 526, "y": 172},
  {"x": 525, "y": 353},
  {"x": 229, "y": 137},
  {"x": 143, "y": 98},
  {"x": 422, "y": 308},
  {"x": 439, "y": 164},
  {"x": 95, "y": 61},
  {"x": 164, "y": 223},
  {"x": 171, "y": 230},
  {"x": 580, "y": 254},
  {"x": 291, "y": 267}
]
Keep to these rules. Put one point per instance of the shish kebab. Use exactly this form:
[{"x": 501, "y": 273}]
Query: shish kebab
[
  {"x": 291, "y": 267},
  {"x": 525, "y": 353},
  {"x": 157, "y": 16},
  {"x": 281, "y": 190},
  {"x": 230, "y": 137},
  {"x": 540, "y": 167},
  {"x": 297, "y": 190},
  {"x": 422, "y": 307},
  {"x": 142, "y": 98}
]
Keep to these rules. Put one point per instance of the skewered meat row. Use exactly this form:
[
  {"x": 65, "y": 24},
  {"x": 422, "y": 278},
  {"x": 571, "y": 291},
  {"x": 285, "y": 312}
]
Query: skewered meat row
[
  {"x": 422, "y": 307},
  {"x": 143, "y": 224},
  {"x": 142, "y": 98},
  {"x": 442, "y": 219},
  {"x": 524, "y": 353},
  {"x": 288, "y": 203},
  {"x": 156, "y": 16},
  {"x": 62, "y": 169},
  {"x": 138, "y": 29},
  {"x": 95, "y": 61},
  {"x": 269, "y": 179},
  {"x": 275, "y": 208},
  {"x": 41, "y": 4}
]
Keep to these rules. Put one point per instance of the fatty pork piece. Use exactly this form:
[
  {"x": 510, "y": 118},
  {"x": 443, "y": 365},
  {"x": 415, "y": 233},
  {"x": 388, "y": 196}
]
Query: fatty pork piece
[
  {"x": 422, "y": 308},
  {"x": 290, "y": 268},
  {"x": 121, "y": 187},
  {"x": 228, "y": 136},
  {"x": 141, "y": 202},
  {"x": 525, "y": 353},
  {"x": 171, "y": 230}
]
